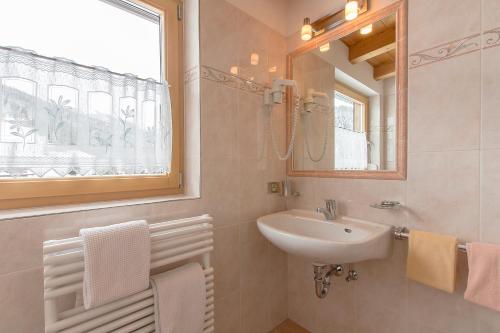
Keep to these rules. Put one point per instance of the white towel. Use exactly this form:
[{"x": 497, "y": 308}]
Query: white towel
[
  {"x": 116, "y": 260},
  {"x": 180, "y": 297}
]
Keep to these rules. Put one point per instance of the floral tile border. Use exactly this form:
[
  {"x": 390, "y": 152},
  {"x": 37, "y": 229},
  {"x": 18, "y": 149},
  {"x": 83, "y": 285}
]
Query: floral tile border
[
  {"x": 445, "y": 51},
  {"x": 488, "y": 39},
  {"x": 229, "y": 80},
  {"x": 491, "y": 38}
]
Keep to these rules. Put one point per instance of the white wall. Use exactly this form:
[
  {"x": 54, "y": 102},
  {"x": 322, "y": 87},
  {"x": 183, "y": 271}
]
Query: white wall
[
  {"x": 272, "y": 13},
  {"x": 286, "y": 16},
  {"x": 314, "y": 9},
  {"x": 363, "y": 72}
]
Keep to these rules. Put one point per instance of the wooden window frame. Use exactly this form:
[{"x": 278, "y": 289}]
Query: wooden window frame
[
  {"x": 27, "y": 193},
  {"x": 358, "y": 97}
]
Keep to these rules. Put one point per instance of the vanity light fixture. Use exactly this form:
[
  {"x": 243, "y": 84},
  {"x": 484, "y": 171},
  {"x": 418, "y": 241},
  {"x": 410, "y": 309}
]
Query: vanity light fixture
[
  {"x": 367, "y": 29},
  {"x": 234, "y": 70},
  {"x": 351, "y": 9},
  {"x": 273, "y": 69},
  {"x": 306, "y": 33},
  {"x": 325, "y": 47},
  {"x": 254, "y": 59}
]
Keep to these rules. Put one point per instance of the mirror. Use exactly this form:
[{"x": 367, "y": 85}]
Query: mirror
[{"x": 351, "y": 116}]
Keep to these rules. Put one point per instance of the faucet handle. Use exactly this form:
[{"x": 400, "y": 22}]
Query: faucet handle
[
  {"x": 330, "y": 211},
  {"x": 330, "y": 201}
]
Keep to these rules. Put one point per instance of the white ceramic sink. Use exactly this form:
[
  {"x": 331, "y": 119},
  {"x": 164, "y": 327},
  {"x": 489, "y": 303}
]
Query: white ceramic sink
[{"x": 344, "y": 240}]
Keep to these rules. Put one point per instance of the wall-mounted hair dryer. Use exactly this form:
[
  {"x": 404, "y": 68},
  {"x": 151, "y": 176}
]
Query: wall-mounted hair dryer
[
  {"x": 309, "y": 101},
  {"x": 274, "y": 95}
]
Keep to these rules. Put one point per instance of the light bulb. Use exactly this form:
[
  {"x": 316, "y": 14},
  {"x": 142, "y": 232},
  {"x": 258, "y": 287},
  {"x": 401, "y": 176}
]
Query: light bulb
[
  {"x": 366, "y": 29},
  {"x": 254, "y": 59},
  {"x": 351, "y": 10},
  {"x": 324, "y": 47},
  {"x": 273, "y": 69},
  {"x": 234, "y": 70},
  {"x": 306, "y": 31}
]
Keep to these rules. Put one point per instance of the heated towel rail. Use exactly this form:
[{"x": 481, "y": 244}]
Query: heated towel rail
[{"x": 172, "y": 242}]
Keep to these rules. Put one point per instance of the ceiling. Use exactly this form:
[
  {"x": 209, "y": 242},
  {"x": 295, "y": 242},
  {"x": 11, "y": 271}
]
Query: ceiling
[{"x": 377, "y": 48}]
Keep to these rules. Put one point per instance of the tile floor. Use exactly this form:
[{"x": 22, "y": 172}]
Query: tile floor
[{"x": 289, "y": 326}]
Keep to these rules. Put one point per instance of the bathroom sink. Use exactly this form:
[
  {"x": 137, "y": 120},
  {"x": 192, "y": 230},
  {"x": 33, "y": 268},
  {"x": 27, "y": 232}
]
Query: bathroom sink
[{"x": 343, "y": 240}]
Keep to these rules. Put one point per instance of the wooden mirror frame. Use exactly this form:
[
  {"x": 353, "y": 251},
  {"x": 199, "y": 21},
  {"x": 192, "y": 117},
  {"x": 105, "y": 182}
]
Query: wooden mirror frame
[{"x": 399, "y": 8}]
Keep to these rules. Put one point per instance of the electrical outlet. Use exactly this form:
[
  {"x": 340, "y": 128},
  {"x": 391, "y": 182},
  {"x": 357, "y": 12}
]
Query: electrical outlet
[{"x": 274, "y": 187}]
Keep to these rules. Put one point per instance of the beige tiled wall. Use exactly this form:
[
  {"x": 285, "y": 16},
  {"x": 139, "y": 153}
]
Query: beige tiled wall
[
  {"x": 251, "y": 281},
  {"x": 453, "y": 184},
  {"x": 250, "y": 274},
  {"x": 452, "y": 187}
]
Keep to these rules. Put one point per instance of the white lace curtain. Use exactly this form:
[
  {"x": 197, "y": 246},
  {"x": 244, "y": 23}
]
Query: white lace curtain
[
  {"x": 59, "y": 119},
  {"x": 351, "y": 150}
]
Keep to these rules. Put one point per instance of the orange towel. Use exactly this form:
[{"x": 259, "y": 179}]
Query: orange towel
[
  {"x": 483, "y": 284},
  {"x": 432, "y": 260}
]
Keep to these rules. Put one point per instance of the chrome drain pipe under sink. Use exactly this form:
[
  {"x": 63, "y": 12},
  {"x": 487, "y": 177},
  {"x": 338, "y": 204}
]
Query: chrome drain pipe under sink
[{"x": 322, "y": 275}]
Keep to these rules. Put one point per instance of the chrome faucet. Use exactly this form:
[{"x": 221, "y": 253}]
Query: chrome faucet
[{"x": 330, "y": 211}]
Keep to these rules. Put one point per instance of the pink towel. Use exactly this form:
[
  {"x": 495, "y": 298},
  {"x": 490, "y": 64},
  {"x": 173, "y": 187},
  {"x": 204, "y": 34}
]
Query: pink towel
[{"x": 483, "y": 285}]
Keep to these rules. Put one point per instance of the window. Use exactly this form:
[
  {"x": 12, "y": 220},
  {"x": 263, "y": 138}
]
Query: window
[
  {"x": 349, "y": 113},
  {"x": 351, "y": 149},
  {"x": 101, "y": 126}
]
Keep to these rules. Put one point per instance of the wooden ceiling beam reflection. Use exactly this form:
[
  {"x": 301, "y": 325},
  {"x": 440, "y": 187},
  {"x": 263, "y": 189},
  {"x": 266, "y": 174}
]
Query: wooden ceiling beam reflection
[
  {"x": 384, "y": 71},
  {"x": 373, "y": 46}
]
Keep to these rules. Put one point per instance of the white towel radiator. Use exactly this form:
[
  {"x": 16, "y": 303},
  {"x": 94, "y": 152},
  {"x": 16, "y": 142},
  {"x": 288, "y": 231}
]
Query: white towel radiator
[{"x": 172, "y": 242}]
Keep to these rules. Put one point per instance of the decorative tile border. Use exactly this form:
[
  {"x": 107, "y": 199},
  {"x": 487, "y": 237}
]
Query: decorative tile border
[
  {"x": 488, "y": 39},
  {"x": 491, "y": 38},
  {"x": 232, "y": 81},
  {"x": 191, "y": 74},
  {"x": 445, "y": 51}
]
